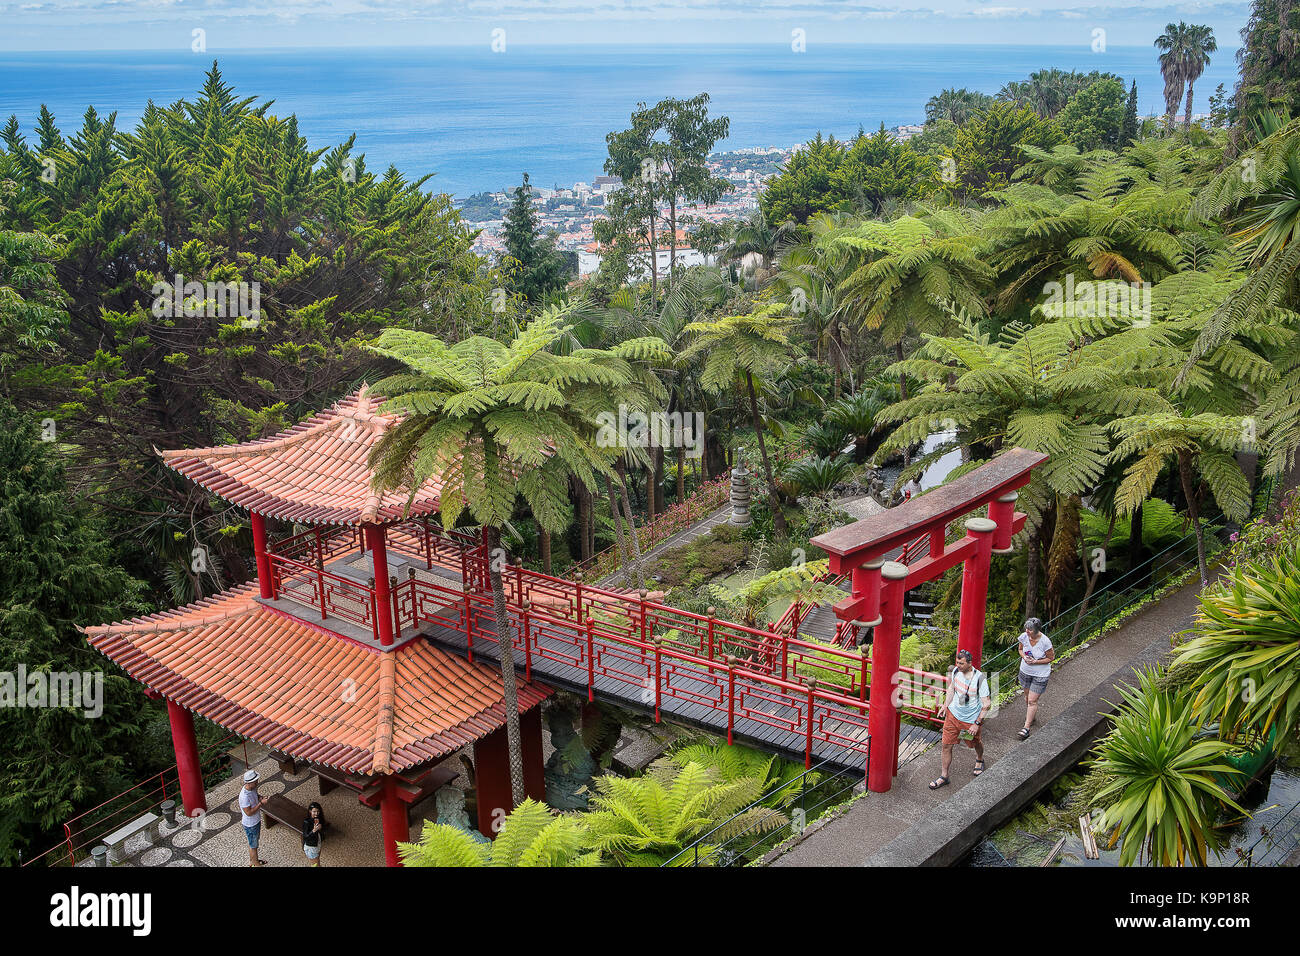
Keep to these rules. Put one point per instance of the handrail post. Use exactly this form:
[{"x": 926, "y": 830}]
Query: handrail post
[
  {"x": 785, "y": 655},
  {"x": 807, "y": 759},
  {"x": 577, "y": 581},
  {"x": 710, "y": 612},
  {"x": 862, "y": 679},
  {"x": 731, "y": 695},
  {"x": 658, "y": 677},
  {"x": 641, "y": 595},
  {"x": 528, "y": 652},
  {"x": 469, "y": 627},
  {"x": 374, "y": 608},
  {"x": 394, "y": 611},
  {"x": 519, "y": 584},
  {"x": 591, "y": 660}
]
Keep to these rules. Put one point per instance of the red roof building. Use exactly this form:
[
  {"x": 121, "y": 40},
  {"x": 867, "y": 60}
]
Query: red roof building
[{"x": 322, "y": 659}]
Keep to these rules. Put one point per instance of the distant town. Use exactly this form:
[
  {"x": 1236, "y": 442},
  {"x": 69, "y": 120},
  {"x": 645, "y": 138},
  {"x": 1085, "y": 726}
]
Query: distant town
[{"x": 571, "y": 211}]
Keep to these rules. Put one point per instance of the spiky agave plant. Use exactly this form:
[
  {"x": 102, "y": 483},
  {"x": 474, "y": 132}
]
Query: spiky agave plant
[
  {"x": 1246, "y": 646},
  {"x": 1161, "y": 798},
  {"x": 531, "y": 835}
]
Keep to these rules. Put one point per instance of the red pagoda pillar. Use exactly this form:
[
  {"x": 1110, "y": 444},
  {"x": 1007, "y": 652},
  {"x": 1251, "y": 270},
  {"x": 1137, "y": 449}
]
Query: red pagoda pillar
[
  {"x": 975, "y": 588},
  {"x": 1002, "y": 511},
  {"x": 882, "y": 716},
  {"x": 396, "y": 823},
  {"x": 187, "y": 758},
  {"x": 383, "y": 595},
  {"x": 492, "y": 771},
  {"x": 263, "y": 559}
]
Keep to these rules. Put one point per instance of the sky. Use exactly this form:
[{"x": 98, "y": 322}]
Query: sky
[{"x": 111, "y": 25}]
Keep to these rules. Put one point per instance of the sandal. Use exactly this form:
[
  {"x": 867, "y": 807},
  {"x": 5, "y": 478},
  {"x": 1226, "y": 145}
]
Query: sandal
[
  {"x": 1024, "y": 733},
  {"x": 979, "y": 768},
  {"x": 938, "y": 782}
]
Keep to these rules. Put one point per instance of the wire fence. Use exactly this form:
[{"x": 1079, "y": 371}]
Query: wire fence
[
  {"x": 802, "y": 799},
  {"x": 1275, "y": 843}
]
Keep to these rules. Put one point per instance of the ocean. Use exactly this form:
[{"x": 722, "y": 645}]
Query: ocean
[{"x": 479, "y": 119}]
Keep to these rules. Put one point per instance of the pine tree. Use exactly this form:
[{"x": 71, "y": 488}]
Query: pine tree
[
  {"x": 56, "y": 572},
  {"x": 541, "y": 267}
]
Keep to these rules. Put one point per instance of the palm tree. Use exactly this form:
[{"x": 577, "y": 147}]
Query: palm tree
[
  {"x": 1176, "y": 44},
  {"x": 531, "y": 835},
  {"x": 1159, "y": 794},
  {"x": 1201, "y": 44},
  {"x": 741, "y": 349},
  {"x": 1047, "y": 388},
  {"x": 1203, "y": 444},
  {"x": 1245, "y": 646},
  {"x": 903, "y": 275},
  {"x": 494, "y": 422},
  {"x": 766, "y": 240},
  {"x": 648, "y": 820}
]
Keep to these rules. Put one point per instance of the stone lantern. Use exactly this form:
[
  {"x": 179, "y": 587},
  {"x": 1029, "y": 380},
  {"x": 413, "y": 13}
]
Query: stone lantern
[{"x": 740, "y": 493}]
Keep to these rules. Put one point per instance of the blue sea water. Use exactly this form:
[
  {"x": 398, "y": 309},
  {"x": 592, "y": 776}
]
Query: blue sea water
[{"x": 479, "y": 119}]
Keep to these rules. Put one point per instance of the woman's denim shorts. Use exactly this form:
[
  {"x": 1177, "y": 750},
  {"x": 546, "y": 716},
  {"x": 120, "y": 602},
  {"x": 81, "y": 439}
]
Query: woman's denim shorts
[{"x": 1035, "y": 685}]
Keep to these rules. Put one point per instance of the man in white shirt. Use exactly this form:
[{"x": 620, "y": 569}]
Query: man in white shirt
[
  {"x": 250, "y": 806},
  {"x": 1036, "y": 656}
]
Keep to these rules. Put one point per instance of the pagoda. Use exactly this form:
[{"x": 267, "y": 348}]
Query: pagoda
[{"x": 323, "y": 659}]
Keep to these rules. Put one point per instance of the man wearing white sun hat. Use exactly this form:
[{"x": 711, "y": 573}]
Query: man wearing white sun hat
[{"x": 250, "y": 806}]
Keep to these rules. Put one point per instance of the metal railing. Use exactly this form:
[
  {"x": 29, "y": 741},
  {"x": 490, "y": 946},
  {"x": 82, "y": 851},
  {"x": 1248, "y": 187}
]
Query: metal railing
[
  {"x": 812, "y": 793},
  {"x": 1136, "y": 584},
  {"x": 1275, "y": 843}
]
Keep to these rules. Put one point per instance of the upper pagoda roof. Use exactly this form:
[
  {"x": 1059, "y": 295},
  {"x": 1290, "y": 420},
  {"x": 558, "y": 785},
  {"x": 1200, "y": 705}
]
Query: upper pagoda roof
[
  {"x": 312, "y": 473},
  {"x": 308, "y": 693}
]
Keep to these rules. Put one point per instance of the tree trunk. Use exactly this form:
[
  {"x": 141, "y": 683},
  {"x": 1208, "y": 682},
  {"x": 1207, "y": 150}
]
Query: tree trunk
[
  {"x": 657, "y": 487},
  {"x": 618, "y": 528},
  {"x": 1193, "y": 512},
  {"x": 634, "y": 539},
  {"x": 672, "y": 241},
  {"x": 654, "y": 260},
  {"x": 681, "y": 474},
  {"x": 1187, "y": 114},
  {"x": 584, "y": 522},
  {"x": 544, "y": 542},
  {"x": 1091, "y": 575},
  {"x": 505, "y": 643},
  {"x": 778, "y": 517}
]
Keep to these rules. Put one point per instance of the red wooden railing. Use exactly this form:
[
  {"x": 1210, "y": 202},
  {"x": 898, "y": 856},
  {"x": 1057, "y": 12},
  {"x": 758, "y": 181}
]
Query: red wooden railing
[{"x": 655, "y": 651}]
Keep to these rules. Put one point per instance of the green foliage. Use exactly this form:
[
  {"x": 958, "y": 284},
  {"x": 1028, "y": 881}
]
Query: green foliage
[
  {"x": 1161, "y": 798},
  {"x": 1245, "y": 645},
  {"x": 986, "y": 150},
  {"x": 57, "y": 573},
  {"x": 719, "y": 552},
  {"x": 541, "y": 266},
  {"x": 646, "y": 820},
  {"x": 1094, "y": 118},
  {"x": 781, "y": 783},
  {"x": 817, "y": 476},
  {"x": 857, "y": 177},
  {"x": 531, "y": 835},
  {"x": 1270, "y": 70}
]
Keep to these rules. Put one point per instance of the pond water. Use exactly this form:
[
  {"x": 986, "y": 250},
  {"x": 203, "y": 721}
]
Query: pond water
[
  {"x": 934, "y": 475},
  {"x": 1029, "y": 838}
]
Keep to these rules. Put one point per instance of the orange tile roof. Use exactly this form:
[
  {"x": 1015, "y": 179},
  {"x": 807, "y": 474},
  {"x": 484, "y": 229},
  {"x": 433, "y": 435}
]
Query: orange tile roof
[
  {"x": 307, "y": 693},
  {"x": 313, "y": 473}
]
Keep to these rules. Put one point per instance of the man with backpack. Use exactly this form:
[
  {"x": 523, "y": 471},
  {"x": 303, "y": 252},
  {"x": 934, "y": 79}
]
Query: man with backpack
[{"x": 963, "y": 712}]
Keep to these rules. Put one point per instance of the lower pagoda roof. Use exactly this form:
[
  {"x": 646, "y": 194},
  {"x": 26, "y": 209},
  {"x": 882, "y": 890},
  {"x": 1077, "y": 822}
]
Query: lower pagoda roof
[{"x": 306, "y": 692}]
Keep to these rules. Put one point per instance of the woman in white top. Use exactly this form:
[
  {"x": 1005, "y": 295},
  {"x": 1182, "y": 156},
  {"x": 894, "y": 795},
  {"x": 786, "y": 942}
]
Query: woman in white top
[{"x": 1036, "y": 656}]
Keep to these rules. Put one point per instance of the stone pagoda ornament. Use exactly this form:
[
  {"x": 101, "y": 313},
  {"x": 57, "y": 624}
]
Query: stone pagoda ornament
[{"x": 740, "y": 492}]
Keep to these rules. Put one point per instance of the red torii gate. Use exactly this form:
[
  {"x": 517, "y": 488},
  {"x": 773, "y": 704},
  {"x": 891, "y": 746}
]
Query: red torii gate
[{"x": 879, "y": 585}]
